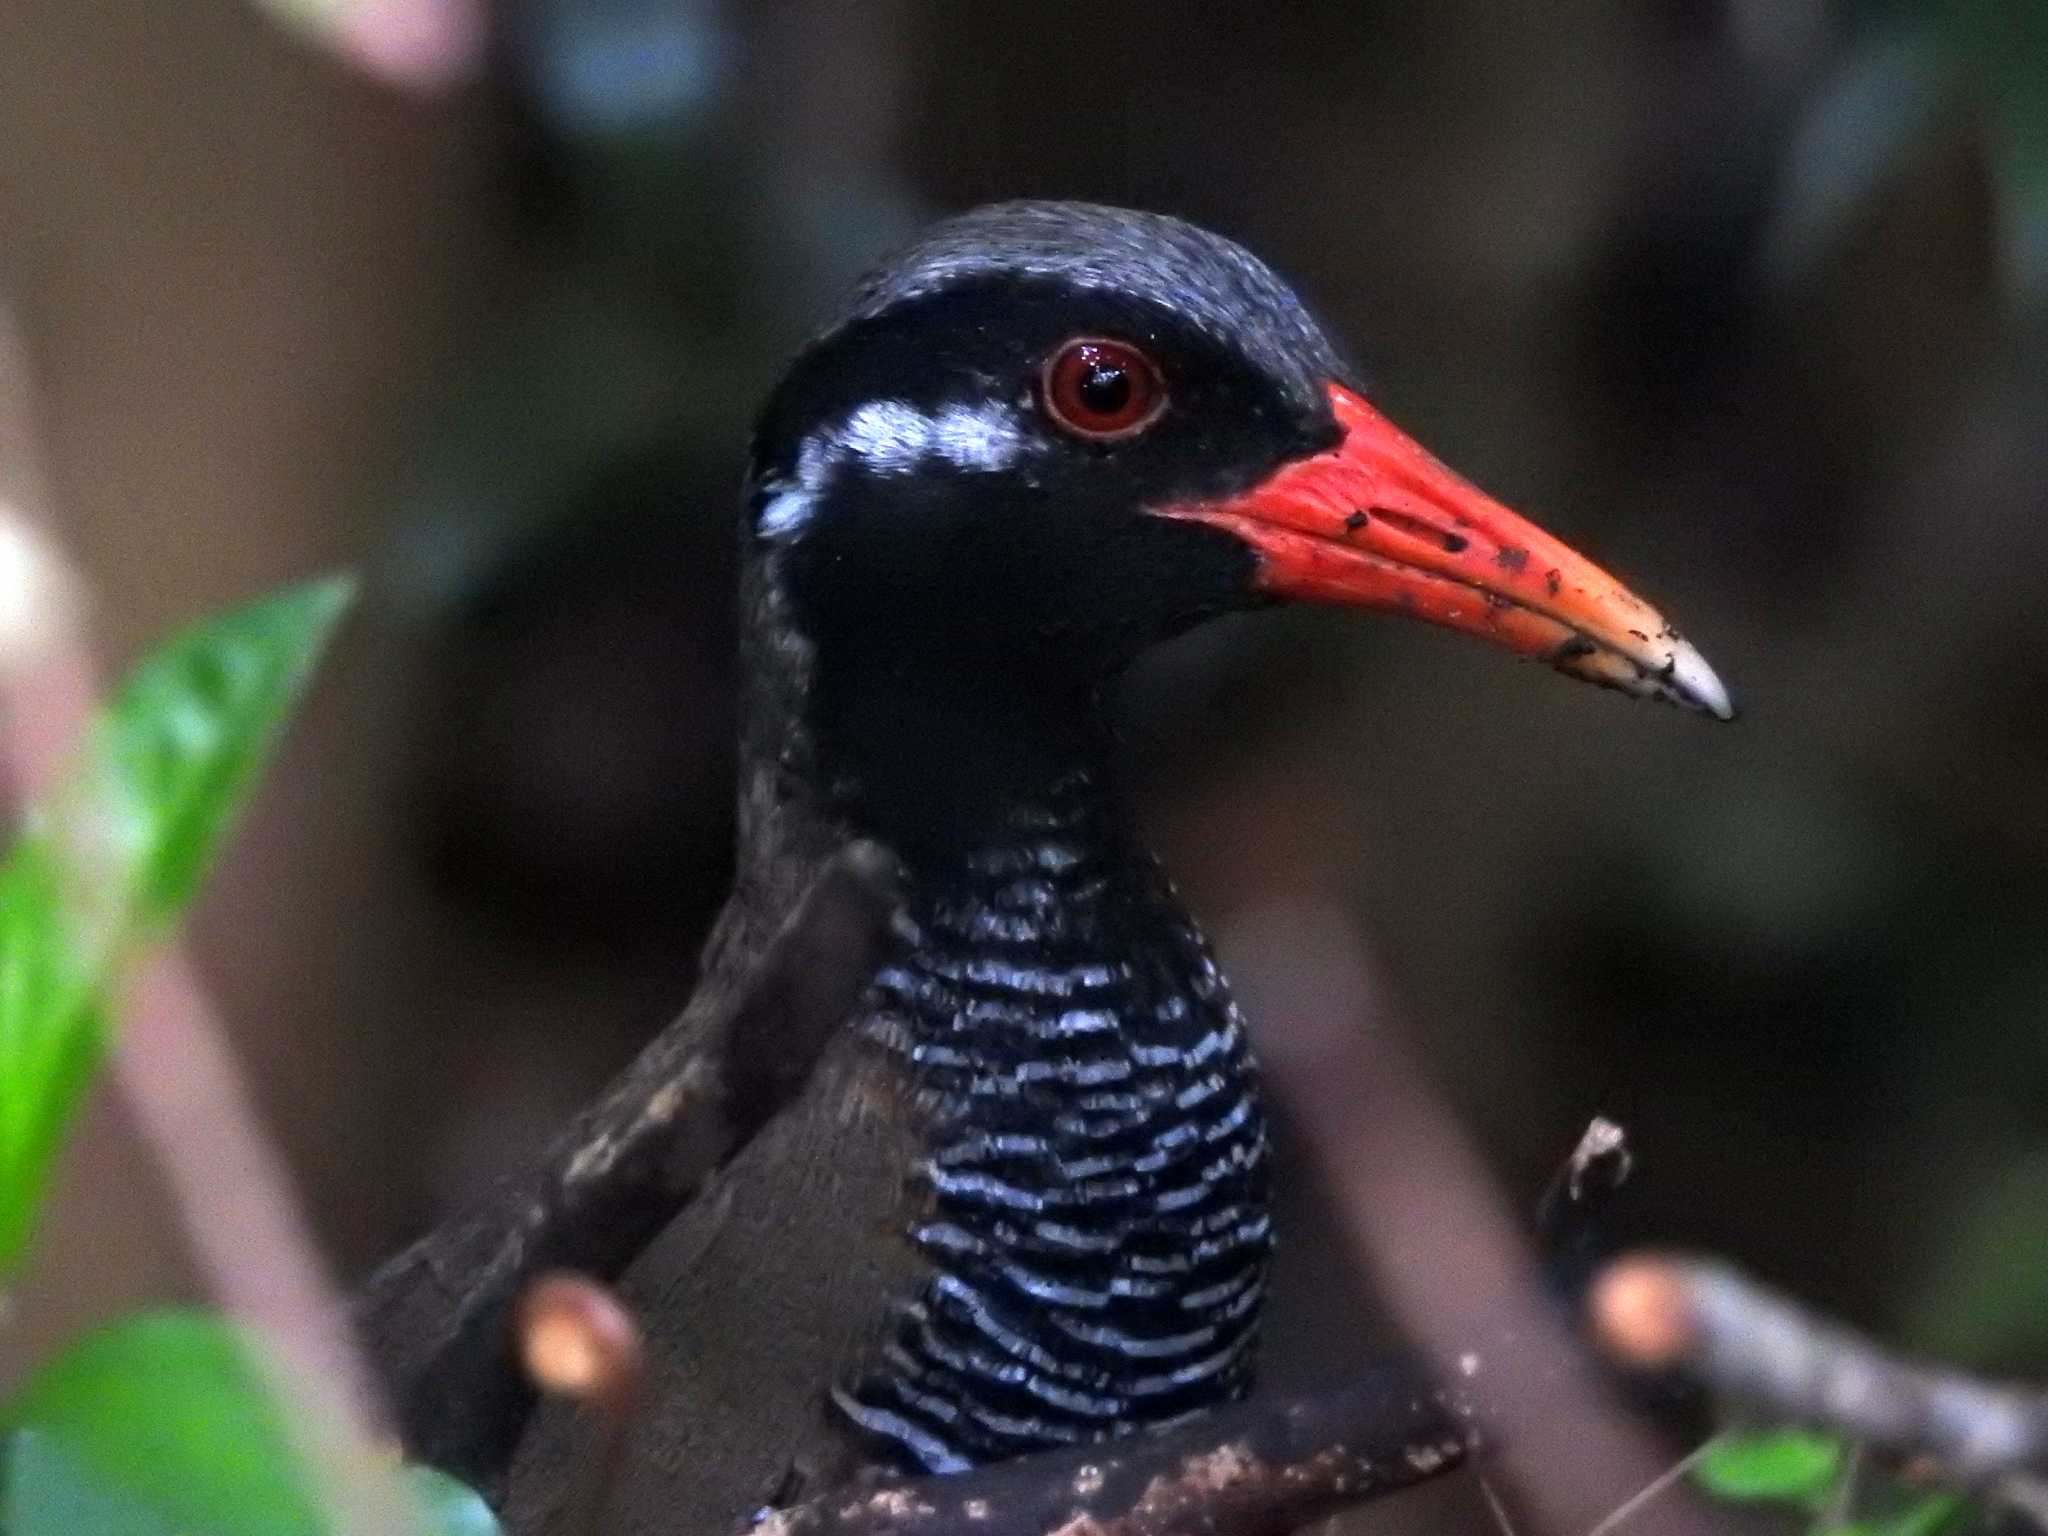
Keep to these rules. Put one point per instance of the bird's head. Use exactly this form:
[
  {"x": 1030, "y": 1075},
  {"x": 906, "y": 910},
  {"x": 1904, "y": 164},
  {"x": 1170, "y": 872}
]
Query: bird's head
[{"x": 1050, "y": 433}]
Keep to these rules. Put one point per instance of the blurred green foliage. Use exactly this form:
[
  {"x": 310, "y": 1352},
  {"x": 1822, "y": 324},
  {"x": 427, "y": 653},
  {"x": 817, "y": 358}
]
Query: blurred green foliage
[
  {"x": 1986, "y": 1300},
  {"x": 1790, "y": 1466},
  {"x": 2003, "y": 48},
  {"x": 1817, "y": 1476},
  {"x": 162, "y": 1423},
  {"x": 186, "y": 734},
  {"x": 168, "y": 1408},
  {"x": 51, "y": 1033},
  {"x": 121, "y": 851},
  {"x": 449, "y": 1507},
  {"x": 44, "y": 1487}
]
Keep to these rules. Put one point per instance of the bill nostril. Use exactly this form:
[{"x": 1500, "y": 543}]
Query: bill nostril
[{"x": 1421, "y": 528}]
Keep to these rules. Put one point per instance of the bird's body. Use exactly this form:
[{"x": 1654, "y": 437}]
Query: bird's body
[{"x": 1021, "y": 1202}]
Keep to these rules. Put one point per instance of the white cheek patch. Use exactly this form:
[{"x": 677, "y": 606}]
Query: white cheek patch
[
  {"x": 783, "y": 512},
  {"x": 894, "y": 437}
]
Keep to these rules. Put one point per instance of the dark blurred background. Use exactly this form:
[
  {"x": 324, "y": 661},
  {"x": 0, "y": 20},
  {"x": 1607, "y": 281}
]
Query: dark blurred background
[{"x": 1748, "y": 299}]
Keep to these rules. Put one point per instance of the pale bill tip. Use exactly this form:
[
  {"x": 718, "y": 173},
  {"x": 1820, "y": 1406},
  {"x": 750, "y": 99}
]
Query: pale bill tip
[{"x": 1696, "y": 685}]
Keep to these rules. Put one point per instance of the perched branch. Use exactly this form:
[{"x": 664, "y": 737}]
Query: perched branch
[
  {"x": 1754, "y": 1346},
  {"x": 1257, "y": 1468},
  {"x": 1253, "y": 1470},
  {"x": 438, "y": 1316}
]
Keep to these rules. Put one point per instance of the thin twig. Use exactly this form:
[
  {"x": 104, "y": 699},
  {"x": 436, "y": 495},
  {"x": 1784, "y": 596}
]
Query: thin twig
[
  {"x": 1644, "y": 1496},
  {"x": 45, "y": 679},
  {"x": 1503, "y": 1521},
  {"x": 1598, "y": 1165},
  {"x": 1570, "y": 1233},
  {"x": 437, "y": 1317},
  {"x": 577, "y": 1341},
  {"x": 1757, "y": 1347},
  {"x": 1842, "y": 1501},
  {"x": 1426, "y": 1221},
  {"x": 172, "y": 1065}
]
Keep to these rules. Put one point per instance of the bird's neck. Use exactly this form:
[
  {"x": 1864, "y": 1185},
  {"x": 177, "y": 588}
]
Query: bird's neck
[
  {"x": 937, "y": 765},
  {"x": 933, "y": 753}
]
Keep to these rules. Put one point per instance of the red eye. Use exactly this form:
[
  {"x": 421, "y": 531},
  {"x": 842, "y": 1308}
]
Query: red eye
[{"x": 1098, "y": 388}]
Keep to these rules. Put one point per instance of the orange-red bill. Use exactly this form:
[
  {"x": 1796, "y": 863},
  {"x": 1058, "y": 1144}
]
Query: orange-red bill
[{"x": 1376, "y": 522}]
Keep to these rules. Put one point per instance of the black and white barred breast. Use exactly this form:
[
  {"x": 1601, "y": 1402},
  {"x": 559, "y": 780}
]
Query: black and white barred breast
[{"x": 1093, "y": 1203}]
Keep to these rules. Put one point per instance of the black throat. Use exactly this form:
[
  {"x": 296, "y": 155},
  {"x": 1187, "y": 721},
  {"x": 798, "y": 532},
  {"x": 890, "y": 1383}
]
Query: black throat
[{"x": 936, "y": 759}]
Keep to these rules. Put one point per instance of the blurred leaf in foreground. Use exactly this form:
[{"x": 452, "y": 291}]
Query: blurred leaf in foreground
[
  {"x": 120, "y": 853},
  {"x": 44, "y": 1491},
  {"x": 1985, "y": 1301},
  {"x": 2004, "y": 46},
  {"x": 1923, "y": 1515},
  {"x": 164, "y": 1414},
  {"x": 51, "y": 1033},
  {"x": 1790, "y": 1466},
  {"x": 449, "y": 1507},
  {"x": 187, "y": 732},
  {"x": 163, "y": 1425}
]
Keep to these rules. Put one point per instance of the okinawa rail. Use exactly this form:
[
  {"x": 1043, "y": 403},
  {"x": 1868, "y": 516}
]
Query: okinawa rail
[{"x": 1022, "y": 1200}]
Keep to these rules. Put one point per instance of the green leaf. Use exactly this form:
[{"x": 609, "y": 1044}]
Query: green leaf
[
  {"x": 45, "y": 1492},
  {"x": 51, "y": 1033},
  {"x": 448, "y": 1506},
  {"x": 2004, "y": 48},
  {"x": 1793, "y": 1466},
  {"x": 169, "y": 1410},
  {"x": 1927, "y": 1515},
  {"x": 120, "y": 852},
  {"x": 163, "y": 1425},
  {"x": 185, "y": 734}
]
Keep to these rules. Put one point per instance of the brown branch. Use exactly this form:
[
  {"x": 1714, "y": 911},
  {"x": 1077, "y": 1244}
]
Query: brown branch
[
  {"x": 1757, "y": 1347},
  {"x": 437, "y": 1318},
  {"x": 1257, "y": 1469}
]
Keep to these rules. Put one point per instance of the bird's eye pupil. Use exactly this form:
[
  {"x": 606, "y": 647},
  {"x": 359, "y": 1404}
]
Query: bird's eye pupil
[{"x": 1105, "y": 389}]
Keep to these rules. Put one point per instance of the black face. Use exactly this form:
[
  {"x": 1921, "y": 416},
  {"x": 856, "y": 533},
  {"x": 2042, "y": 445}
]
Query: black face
[{"x": 958, "y": 472}]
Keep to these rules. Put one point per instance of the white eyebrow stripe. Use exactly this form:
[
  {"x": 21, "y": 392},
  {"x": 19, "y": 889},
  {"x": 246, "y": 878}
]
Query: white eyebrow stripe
[{"x": 894, "y": 437}]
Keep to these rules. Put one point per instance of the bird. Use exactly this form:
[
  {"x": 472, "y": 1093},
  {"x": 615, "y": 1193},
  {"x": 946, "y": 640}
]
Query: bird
[{"x": 1023, "y": 1200}]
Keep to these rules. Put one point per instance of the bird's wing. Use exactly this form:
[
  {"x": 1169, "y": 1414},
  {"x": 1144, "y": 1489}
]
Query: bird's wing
[{"x": 755, "y": 1299}]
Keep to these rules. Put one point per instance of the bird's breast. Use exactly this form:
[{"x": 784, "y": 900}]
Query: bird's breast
[{"x": 1092, "y": 1205}]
